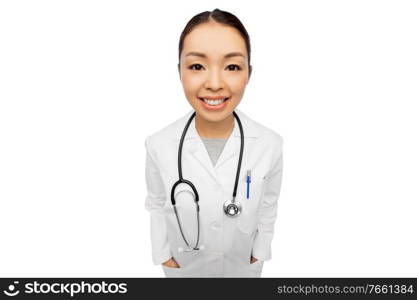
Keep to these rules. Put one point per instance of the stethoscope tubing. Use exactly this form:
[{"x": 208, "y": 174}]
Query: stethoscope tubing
[{"x": 189, "y": 183}]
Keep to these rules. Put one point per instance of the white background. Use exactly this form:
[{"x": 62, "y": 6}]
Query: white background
[{"x": 83, "y": 83}]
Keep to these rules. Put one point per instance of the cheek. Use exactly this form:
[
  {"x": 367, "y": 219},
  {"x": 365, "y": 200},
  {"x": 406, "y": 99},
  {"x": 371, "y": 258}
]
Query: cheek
[
  {"x": 238, "y": 84},
  {"x": 191, "y": 84}
]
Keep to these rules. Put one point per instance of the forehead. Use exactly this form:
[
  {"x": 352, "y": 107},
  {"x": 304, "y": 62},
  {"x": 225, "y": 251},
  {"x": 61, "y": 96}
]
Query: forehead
[{"x": 214, "y": 39}]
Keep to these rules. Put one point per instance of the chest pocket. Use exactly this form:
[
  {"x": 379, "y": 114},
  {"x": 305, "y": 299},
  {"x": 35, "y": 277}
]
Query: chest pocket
[{"x": 248, "y": 219}]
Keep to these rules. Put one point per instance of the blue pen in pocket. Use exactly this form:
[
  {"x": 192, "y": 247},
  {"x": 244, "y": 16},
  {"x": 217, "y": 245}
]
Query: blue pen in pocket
[{"x": 247, "y": 183}]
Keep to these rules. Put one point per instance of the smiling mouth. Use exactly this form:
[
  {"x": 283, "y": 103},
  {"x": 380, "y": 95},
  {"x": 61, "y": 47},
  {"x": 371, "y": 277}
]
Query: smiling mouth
[{"x": 214, "y": 102}]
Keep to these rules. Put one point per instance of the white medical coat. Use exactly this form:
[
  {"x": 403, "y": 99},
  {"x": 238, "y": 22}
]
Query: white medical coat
[{"x": 227, "y": 243}]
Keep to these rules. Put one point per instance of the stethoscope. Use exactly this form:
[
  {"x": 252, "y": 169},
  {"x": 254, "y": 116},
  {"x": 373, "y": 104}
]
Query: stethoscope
[{"x": 231, "y": 208}]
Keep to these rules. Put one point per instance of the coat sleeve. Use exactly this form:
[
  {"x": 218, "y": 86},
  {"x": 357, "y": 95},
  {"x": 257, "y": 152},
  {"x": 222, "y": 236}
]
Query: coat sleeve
[
  {"x": 268, "y": 211},
  {"x": 154, "y": 203}
]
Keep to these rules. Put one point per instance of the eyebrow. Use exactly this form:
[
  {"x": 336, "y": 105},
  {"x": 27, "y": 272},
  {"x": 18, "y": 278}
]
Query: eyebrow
[{"x": 231, "y": 54}]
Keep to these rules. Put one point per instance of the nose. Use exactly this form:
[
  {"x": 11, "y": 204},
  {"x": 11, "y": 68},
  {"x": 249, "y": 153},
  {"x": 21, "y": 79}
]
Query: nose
[{"x": 214, "y": 80}]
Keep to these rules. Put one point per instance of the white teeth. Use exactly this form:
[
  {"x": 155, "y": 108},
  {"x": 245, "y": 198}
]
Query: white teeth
[{"x": 214, "y": 102}]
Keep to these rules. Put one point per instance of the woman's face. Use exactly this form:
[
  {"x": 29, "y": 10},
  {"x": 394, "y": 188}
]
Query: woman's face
[{"x": 214, "y": 65}]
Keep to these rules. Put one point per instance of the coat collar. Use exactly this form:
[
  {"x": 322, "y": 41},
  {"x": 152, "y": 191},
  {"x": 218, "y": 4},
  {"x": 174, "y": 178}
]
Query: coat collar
[{"x": 194, "y": 145}]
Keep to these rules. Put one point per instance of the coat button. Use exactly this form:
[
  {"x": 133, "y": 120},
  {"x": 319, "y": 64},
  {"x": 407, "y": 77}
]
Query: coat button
[{"x": 215, "y": 225}]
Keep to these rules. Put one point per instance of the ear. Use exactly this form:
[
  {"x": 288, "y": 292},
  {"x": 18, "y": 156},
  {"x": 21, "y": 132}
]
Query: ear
[
  {"x": 250, "y": 71},
  {"x": 179, "y": 70}
]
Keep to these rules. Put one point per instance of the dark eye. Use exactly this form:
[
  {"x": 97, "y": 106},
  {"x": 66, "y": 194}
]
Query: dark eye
[
  {"x": 234, "y": 67},
  {"x": 198, "y": 66}
]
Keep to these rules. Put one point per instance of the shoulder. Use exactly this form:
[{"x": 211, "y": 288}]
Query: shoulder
[
  {"x": 167, "y": 134},
  {"x": 266, "y": 135}
]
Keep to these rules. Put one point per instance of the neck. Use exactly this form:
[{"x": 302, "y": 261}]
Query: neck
[{"x": 220, "y": 130}]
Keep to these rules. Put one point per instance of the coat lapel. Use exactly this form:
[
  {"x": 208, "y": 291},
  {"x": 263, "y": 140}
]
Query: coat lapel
[
  {"x": 231, "y": 148},
  {"x": 197, "y": 149}
]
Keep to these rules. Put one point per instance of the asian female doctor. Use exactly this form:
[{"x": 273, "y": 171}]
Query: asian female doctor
[{"x": 214, "y": 175}]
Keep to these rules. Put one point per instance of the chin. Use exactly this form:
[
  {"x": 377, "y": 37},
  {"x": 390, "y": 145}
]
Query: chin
[{"x": 213, "y": 116}]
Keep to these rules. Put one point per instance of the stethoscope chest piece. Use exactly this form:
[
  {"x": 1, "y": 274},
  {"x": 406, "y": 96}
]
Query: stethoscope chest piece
[{"x": 232, "y": 208}]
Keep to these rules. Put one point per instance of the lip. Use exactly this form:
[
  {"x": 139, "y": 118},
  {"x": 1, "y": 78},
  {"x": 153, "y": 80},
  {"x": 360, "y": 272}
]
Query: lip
[
  {"x": 211, "y": 107},
  {"x": 214, "y": 97}
]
